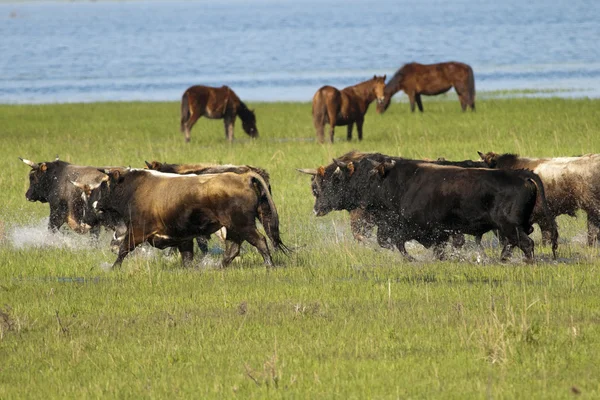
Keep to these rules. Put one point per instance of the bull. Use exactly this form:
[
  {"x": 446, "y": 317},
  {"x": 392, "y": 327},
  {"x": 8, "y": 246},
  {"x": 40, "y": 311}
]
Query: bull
[
  {"x": 417, "y": 200},
  {"x": 169, "y": 210},
  {"x": 204, "y": 169},
  {"x": 63, "y": 186},
  {"x": 571, "y": 184}
]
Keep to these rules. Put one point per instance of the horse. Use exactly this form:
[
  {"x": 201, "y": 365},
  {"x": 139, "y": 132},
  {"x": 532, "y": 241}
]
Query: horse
[
  {"x": 432, "y": 79},
  {"x": 346, "y": 106},
  {"x": 215, "y": 103}
]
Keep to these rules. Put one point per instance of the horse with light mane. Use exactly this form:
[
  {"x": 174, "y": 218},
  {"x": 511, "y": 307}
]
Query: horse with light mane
[{"x": 345, "y": 107}]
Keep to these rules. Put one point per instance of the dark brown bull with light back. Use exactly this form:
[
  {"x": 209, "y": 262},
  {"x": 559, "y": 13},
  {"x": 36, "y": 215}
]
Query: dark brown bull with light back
[
  {"x": 571, "y": 184},
  {"x": 64, "y": 186},
  {"x": 419, "y": 79},
  {"x": 345, "y": 107},
  {"x": 203, "y": 169},
  {"x": 168, "y": 210},
  {"x": 215, "y": 103}
]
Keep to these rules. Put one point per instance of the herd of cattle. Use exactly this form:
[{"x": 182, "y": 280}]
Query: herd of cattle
[{"x": 170, "y": 205}]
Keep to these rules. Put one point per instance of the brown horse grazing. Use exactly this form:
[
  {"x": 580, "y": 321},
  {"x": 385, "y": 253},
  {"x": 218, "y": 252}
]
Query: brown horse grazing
[
  {"x": 346, "y": 106},
  {"x": 215, "y": 103},
  {"x": 417, "y": 79}
]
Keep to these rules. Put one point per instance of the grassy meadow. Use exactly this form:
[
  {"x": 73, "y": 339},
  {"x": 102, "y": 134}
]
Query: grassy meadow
[{"x": 335, "y": 319}]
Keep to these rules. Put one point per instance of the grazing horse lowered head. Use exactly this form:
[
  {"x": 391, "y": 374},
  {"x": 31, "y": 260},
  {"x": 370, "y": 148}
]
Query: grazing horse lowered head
[
  {"x": 346, "y": 106},
  {"x": 416, "y": 79},
  {"x": 215, "y": 103}
]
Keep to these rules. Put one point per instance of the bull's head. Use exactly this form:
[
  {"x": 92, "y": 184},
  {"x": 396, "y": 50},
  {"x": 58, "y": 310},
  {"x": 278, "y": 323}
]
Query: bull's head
[
  {"x": 154, "y": 165},
  {"x": 328, "y": 186},
  {"x": 88, "y": 188},
  {"x": 491, "y": 158},
  {"x": 40, "y": 185}
]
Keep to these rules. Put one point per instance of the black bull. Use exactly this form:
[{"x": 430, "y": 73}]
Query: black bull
[{"x": 416, "y": 200}]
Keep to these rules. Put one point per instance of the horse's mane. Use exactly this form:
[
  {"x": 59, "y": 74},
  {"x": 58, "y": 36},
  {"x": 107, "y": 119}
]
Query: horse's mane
[
  {"x": 394, "y": 83},
  {"x": 245, "y": 113}
]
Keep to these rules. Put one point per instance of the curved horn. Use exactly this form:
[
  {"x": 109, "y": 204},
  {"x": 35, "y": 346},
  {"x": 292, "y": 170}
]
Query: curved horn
[
  {"x": 56, "y": 159},
  {"x": 312, "y": 171},
  {"x": 340, "y": 163},
  {"x": 148, "y": 165},
  {"x": 29, "y": 162}
]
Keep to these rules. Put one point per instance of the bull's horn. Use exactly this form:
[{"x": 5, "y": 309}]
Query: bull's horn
[
  {"x": 337, "y": 171},
  {"x": 389, "y": 164},
  {"x": 481, "y": 155},
  {"x": 148, "y": 164},
  {"x": 56, "y": 159},
  {"x": 312, "y": 171},
  {"x": 29, "y": 162},
  {"x": 339, "y": 163},
  {"x": 79, "y": 184},
  {"x": 374, "y": 163}
]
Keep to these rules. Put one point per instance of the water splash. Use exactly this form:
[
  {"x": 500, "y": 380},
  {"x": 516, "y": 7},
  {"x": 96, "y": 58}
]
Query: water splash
[{"x": 37, "y": 235}]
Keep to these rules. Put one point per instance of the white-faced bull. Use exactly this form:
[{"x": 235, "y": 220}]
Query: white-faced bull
[{"x": 571, "y": 184}]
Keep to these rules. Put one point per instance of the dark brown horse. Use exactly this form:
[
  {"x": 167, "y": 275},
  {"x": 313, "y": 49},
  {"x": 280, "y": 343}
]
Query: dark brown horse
[
  {"x": 346, "y": 106},
  {"x": 417, "y": 79},
  {"x": 215, "y": 103}
]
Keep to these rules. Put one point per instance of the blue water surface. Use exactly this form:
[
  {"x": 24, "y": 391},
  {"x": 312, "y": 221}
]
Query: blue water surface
[{"x": 279, "y": 50}]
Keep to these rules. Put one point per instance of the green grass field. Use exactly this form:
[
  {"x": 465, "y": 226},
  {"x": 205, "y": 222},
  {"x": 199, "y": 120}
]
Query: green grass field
[{"x": 336, "y": 319}]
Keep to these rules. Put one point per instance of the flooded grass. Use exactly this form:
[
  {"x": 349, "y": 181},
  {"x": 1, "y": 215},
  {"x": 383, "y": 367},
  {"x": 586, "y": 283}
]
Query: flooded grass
[{"x": 335, "y": 318}]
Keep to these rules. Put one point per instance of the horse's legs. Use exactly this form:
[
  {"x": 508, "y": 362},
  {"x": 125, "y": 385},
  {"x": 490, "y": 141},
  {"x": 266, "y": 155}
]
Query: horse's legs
[
  {"x": 418, "y": 100},
  {"x": 229, "y": 123},
  {"x": 411, "y": 99},
  {"x": 350, "y": 125},
  {"x": 359, "y": 126},
  {"x": 188, "y": 126},
  {"x": 331, "y": 115},
  {"x": 463, "y": 96}
]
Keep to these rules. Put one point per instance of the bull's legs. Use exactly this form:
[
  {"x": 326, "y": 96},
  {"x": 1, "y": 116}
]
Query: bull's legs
[
  {"x": 550, "y": 233},
  {"x": 125, "y": 248},
  {"x": 257, "y": 240},
  {"x": 401, "y": 246},
  {"x": 56, "y": 220},
  {"x": 458, "y": 240},
  {"x": 418, "y": 100},
  {"x": 349, "y": 136},
  {"x": 232, "y": 250},
  {"x": 593, "y": 228},
  {"x": 438, "y": 251},
  {"x": 359, "y": 225},
  {"x": 519, "y": 238},
  {"x": 187, "y": 252},
  {"x": 203, "y": 244}
]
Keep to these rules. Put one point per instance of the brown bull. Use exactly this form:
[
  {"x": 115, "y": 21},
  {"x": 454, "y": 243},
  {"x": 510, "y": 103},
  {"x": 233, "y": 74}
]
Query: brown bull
[
  {"x": 168, "y": 210},
  {"x": 215, "y": 103},
  {"x": 203, "y": 169},
  {"x": 345, "y": 107},
  {"x": 571, "y": 183},
  {"x": 418, "y": 79}
]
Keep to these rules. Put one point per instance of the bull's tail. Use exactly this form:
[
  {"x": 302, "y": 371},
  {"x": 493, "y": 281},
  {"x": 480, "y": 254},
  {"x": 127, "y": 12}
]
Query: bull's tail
[
  {"x": 549, "y": 222},
  {"x": 268, "y": 215},
  {"x": 471, "y": 88},
  {"x": 185, "y": 111}
]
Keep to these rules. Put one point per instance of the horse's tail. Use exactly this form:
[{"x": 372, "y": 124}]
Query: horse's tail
[
  {"x": 185, "y": 111},
  {"x": 471, "y": 87},
  {"x": 268, "y": 213}
]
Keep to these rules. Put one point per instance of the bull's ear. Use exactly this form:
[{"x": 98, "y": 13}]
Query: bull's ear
[
  {"x": 321, "y": 171},
  {"x": 115, "y": 175},
  {"x": 350, "y": 168},
  {"x": 308, "y": 171},
  {"x": 43, "y": 167}
]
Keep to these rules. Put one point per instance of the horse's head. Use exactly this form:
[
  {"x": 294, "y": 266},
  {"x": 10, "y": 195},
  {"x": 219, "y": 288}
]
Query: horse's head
[
  {"x": 379, "y": 88},
  {"x": 249, "y": 123}
]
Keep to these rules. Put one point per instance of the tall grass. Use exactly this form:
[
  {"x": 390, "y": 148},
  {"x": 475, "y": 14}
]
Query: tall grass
[{"x": 335, "y": 319}]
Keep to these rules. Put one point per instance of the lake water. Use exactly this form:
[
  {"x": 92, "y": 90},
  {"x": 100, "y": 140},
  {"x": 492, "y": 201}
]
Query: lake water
[{"x": 272, "y": 50}]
